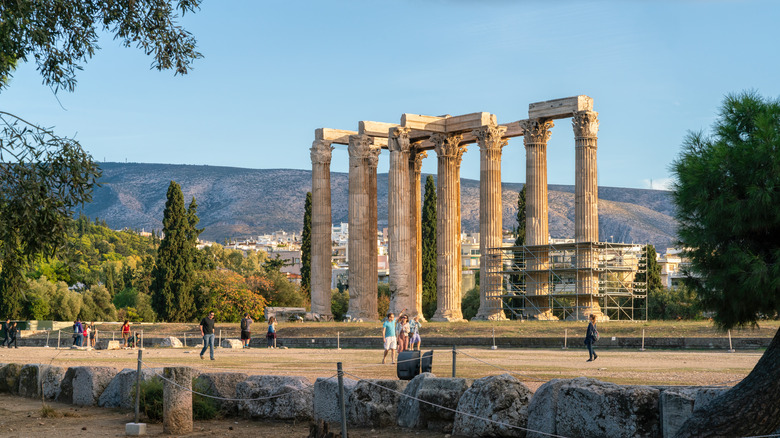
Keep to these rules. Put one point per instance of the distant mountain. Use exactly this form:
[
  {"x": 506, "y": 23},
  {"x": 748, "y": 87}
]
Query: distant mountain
[{"x": 236, "y": 202}]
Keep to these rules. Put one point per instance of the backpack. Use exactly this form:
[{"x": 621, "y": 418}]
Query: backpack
[
  {"x": 244, "y": 325},
  {"x": 595, "y": 334}
]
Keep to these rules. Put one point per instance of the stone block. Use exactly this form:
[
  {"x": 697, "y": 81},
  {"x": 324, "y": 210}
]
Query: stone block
[
  {"x": 177, "y": 400},
  {"x": 135, "y": 429},
  {"x": 232, "y": 343},
  {"x": 82, "y": 386},
  {"x": 677, "y": 404},
  {"x": 543, "y": 409},
  {"x": 35, "y": 378},
  {"x": 9, "y": 378},
  {"x": 326, "y": 398},
  {"x": 503, "y": 399},
  {"x": 588, "y": 407},
  {"x": 113, "y": 345},
  {"x": 171, "y": 341},
  {"x": 276, "y": 397},
  {"x": 120, "y": 392},
  {"x": 704, "y": 395},
  {"x": 409, "y": 414},
  {"x": 221, "y": 385},
  {"x": 442, "y": 396},
  {"x": 374, "y": 402}
]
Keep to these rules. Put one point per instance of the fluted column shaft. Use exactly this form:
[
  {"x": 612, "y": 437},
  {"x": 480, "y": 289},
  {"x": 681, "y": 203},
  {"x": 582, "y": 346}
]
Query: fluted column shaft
[
  {"x": 490, "y": 143},
  {"x": 448, "y": 260},
  {"x": 321, "y": 248},
  {"x": 399, "y": 226},
  {"x": 362, "y": 218},
  {"x": 537, "y": 134},
  {"x": 586, "y": 215},
  {"x": 415, "y": 216}
]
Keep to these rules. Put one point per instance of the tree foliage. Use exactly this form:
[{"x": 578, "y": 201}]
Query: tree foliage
[
  {"x": 652, "y": 274},
  {"x": 429, "y": 248},
  {"x": 306, "y": 248},
  {"x": 61, "y": 35},
  {"x": 172, "y": 297},
  {"x": 228, "y": 294},
  {"x": 728, "y": 208},
  {"x": 520, "y": 231}
]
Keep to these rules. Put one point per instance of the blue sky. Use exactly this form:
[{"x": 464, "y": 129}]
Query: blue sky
[{"x": 273, "y": 72}]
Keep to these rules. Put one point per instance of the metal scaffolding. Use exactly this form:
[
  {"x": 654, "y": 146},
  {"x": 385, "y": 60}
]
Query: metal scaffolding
[{"x": 568, "y": 278}]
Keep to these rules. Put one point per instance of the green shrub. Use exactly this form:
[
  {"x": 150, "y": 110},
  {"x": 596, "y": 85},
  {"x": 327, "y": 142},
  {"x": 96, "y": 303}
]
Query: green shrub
[
  {"x": 151, "y": 401},
  {"x": 470, "y": 303},
  {"x": 339, "y": 304},
  {"x": 203, "y": 408}
]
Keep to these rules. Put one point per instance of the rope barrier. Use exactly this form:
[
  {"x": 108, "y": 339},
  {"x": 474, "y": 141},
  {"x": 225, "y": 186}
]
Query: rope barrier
[
  {"x": 455, "y": 410},
  {"x": 534, "y": 379},
  {"x": 307, "y": 386}
]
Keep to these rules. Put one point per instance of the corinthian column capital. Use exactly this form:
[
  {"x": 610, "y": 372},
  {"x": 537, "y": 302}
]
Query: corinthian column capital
[
  {"x": 585, "y": 124},
  {"x": 398, "y": 140},
  {"x": 321, "y": 152},
  {"x": 417, "y": 158},
  {"x": 448, "y": 145},
  {"x": 536, "y": 131},
  {"x": 490, "y": 137}
]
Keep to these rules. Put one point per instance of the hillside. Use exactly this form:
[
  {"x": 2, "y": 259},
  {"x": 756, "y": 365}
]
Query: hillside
[{"x": 236, "y": 202}]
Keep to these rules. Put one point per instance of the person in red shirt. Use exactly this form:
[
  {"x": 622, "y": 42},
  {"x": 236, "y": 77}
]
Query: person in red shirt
[{"x": 125, "y": 333}]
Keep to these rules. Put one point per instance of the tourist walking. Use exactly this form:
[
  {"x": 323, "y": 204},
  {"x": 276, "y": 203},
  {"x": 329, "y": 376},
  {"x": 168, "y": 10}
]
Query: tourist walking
[
  {"x": 207, "y": 331},
  {"x": 6, "y": 326},
  {"x": 388, "y": 335},
  {"x": 12, "y": 335},
  {"x": 126, "y": 334},
  {"x": 414, "y": 330},
  {"x": 271, "y": 335},
  {"x": 93, "y": 335},
  {"x": 87, "y": 331},
  {"x": 591, "y": 336},
  {"x": 246, "y": 333}
]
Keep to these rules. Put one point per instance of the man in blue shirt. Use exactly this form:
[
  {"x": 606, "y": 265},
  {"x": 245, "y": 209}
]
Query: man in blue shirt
[
  {"x": 78, "y": 333},
  {"x": 388, "y": 334}
]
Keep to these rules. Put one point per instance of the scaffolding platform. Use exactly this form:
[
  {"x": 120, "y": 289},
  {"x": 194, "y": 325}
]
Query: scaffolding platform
[{"x": 567, "y": 281}]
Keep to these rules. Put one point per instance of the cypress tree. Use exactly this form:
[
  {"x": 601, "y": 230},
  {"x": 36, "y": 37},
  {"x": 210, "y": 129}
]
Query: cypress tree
[
  {"x": 520, "y": 231},
  {"x": 429, "y": 248},
  {"x": 652, "y": 276},
  {"x": 172, "y": 296},
  {"x": 306, "y": 248},
  {"x": 194, "y": 233},
  {"x": 517, "y": 280}
]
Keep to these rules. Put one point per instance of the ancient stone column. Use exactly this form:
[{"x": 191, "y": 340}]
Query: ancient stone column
[
  {"x": 448, "y": 265},
  {"x": 362, "y": 245},
  {"x": 399, "y": 226},
  {"x": 490, "y": 143},
  {"x": 177, "y": 400},
  {"x": 586, "y": 213},
  {"x": 537, "y": 133},
  {"x": 415, "y": 171},
  {"x": 321, "y": 249}
]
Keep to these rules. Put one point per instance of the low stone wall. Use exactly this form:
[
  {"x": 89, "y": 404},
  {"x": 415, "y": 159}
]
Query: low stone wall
[{"x": 487, "y": 407}]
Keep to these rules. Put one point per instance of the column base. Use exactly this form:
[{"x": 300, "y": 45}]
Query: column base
[
  {"x": 319, "y": 317},
  {"x": 448, "y": 316},
  {"x": 490, "y": 315},
  {"x": 544, "y": 315}
]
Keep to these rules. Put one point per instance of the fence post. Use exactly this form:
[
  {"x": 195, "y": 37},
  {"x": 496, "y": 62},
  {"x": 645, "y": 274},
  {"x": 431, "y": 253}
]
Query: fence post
[
  {"x": 59, "y": 332},
  {"x": 47, "y": 338},
  {"x": 185, "y": 339},
  {"x": 138, "y": 387},
  {"x": 112, "y": 335},
  {"x": 338, "y": 341},
  {"x": 219, "y": 343},
  {"x": 731, "y": 349},
  {"x": 565, "y": 339},
  {"x": 453, "y": 360},
  {"x": 494, "y": 340},
  {"x": 142, "y": 338},
  {"x": 643, "y": 341},
  {"x": 341, "y": 401}
]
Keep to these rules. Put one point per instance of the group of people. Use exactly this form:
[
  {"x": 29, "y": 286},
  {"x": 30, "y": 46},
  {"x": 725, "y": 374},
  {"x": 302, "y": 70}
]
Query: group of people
[
  {"x": 9, "y": 332},
  {"x": 207, "y": 332},
  {"x": 401, "y": 335},
  {"x": 84, "y": 335}
]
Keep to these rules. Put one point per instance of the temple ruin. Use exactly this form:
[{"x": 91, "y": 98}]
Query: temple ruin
[{"x": 408, "y": 144}]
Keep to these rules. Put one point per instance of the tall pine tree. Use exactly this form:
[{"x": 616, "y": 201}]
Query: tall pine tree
[
  {"x": 429, "y": 249},
  {"x": 194, "y": 233},
  {"x": 172, "y": 296},
  {"x": 306, "y": 248}
]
